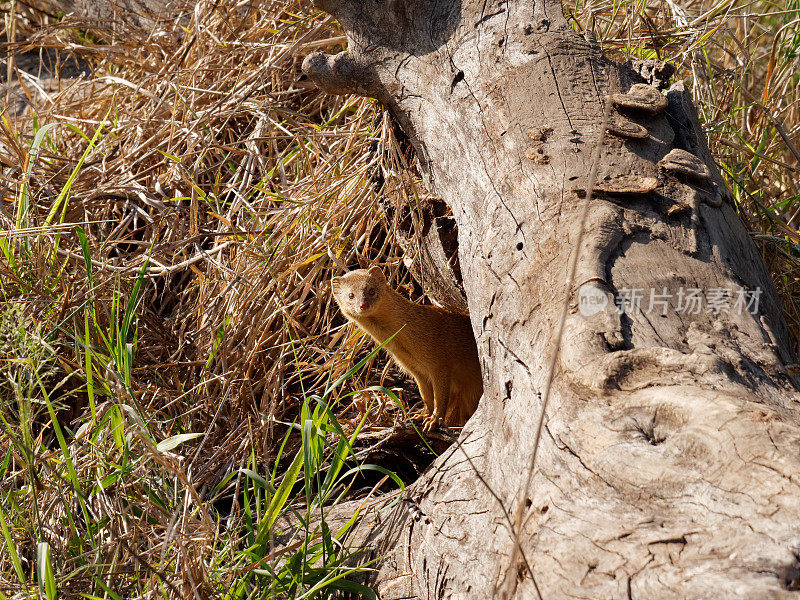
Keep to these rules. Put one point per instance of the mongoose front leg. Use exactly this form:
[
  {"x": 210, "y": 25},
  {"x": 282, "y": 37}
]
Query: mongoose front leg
[
  {"x": 426, "y": 391},
  {"x": 441, "y": 400}
]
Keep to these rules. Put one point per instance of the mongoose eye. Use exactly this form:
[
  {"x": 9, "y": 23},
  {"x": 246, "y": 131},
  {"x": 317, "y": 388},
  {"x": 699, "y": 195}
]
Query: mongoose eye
[
  {"x": 352, "y": 295},
  {"x": 371, "y": 292}
]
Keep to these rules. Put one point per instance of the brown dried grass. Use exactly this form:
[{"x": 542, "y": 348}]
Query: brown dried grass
[
  {"x": 233, "y": 178},
  {"x": 233, "y": 181}
]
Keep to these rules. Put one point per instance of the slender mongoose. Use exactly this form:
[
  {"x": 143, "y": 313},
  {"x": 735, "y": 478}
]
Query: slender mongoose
[{"x": 435, "y": 346}]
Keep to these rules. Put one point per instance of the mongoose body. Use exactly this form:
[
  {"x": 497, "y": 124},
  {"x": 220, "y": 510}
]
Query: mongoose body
[{"x": 435, "y": 346}]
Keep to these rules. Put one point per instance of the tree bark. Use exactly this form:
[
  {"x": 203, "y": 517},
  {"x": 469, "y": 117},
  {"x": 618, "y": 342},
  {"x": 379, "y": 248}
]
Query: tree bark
[
  {"x": 668, "y": 463},
  {"x": 133, "y": 13}
]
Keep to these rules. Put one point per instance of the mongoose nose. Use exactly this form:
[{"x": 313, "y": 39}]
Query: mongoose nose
[{"x": 364, "y": 306}]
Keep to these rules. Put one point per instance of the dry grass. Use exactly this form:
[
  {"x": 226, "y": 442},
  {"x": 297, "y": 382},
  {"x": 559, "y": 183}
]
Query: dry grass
[
  {"x": 232, "y": 179},
  {"x": 193, "y": 156},
  {"x": 213, "y": 185}
]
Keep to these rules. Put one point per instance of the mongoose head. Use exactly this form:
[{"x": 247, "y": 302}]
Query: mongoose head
[{"x": 359, "y": 293}]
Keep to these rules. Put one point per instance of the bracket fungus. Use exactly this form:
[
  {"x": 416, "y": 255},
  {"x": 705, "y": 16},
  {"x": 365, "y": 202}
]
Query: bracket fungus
[
  {"x": 626, "y": 129},
  {"x": 685, "y": 163},
  {"x": 642, "y": 97},
  {"x": 622, "y": 185}
]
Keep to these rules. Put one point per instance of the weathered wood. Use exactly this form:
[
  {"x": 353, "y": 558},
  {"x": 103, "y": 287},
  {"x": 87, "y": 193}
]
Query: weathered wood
[
  {"x": 430, "y": 240},
  {"x": 50, "y": 70},
  {"x": 668, "y": 463},
  {"x": 136, "y": 13}
]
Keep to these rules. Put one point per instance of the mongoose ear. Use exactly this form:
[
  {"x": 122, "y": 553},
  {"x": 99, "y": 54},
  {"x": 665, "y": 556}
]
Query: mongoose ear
[{"x": 377, "y": 273}]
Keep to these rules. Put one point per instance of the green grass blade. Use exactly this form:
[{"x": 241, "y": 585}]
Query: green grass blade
[
  {"x": 278, "y": 501},
  {"x": 12, "y": 550},
  {"x": 24, "y": 204},
  {"x": 63, "y": 195},
  {"x": 176, "y": 440},
  {"x": 73, "y": 476},
  {"x": 352, "y": 371},
  {"x": 44, "y": 571}
]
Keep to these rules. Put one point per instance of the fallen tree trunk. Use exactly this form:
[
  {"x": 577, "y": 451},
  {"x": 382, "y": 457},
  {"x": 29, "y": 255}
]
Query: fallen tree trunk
[
  {"x": 668, "y": 463},
  {"x": 135, "y": 13}
]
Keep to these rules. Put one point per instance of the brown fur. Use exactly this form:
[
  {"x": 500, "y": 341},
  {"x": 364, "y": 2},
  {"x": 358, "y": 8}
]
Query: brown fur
[{"x": 435, "y": 346}]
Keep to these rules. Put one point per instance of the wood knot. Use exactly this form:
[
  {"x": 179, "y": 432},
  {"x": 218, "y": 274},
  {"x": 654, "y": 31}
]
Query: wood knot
[
  {"x": 537, "y": 154},
  {"x": 539, "y": 134}
]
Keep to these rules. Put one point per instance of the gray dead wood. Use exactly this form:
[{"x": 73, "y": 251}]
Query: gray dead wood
[
  {"x": 669, "y": 462},
  {"x": 42, "y": 73},
  {"x": 37, "y": 75},
  {"x": 120, "y": 13},
  {"x": 430, "y": 240}
]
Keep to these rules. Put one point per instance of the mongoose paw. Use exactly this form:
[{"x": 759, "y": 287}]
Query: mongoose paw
[
  {"x": 420, "y": 415},
  {"x": 430, "y": 423}
]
